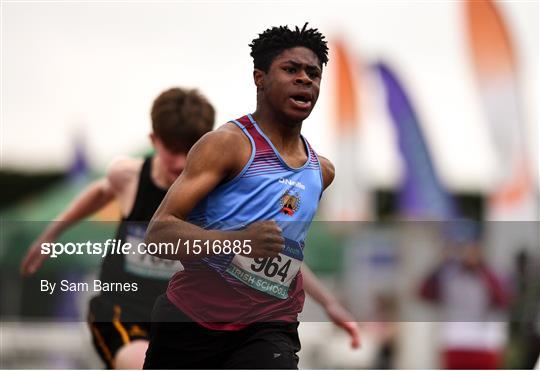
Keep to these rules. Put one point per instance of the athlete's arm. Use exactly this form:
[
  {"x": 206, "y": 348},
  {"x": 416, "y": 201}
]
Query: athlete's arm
[
  {"x": 93, "y": 198},
  {"x": 334, "y": 310},
  {"x": 217, "y": 157}
]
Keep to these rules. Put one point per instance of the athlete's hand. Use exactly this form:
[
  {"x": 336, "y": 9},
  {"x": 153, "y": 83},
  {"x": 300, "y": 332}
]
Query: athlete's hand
[
  {"x": 266, "y": 239},
  {"x": 34, "y": 258},
  {"x": 342, "y": 318}
]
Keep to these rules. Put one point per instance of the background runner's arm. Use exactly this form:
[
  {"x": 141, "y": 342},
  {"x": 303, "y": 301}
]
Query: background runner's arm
[
  {"x": 334, "y": 310},
  {"x": 217, "y": 157},
  {"x": 93, "y": 198}
]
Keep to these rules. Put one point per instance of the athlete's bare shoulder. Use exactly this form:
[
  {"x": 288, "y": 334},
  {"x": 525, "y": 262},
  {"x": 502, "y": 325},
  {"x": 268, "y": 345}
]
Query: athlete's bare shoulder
[
  {"x": 328, "y": 171},
  {"x": 233, "y": 132},
  {"x": 123, "y": 172},
  {"x": 225, "y": 140},
  {"x": 225, "y": 149}
]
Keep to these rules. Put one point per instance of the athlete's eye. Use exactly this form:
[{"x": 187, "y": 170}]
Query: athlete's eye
[
  {"x": 290, "y": 69},
  {"x": 314, "y": 74}
]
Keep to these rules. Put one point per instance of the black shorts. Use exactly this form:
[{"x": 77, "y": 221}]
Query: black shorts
[
  {"x": 176, "y": 342},
  {"x": 112, "y": 326}
]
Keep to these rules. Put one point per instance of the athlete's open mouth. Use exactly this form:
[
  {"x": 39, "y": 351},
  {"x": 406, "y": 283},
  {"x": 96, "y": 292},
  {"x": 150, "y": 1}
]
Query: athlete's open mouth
[{"x": 302, "y": 100}]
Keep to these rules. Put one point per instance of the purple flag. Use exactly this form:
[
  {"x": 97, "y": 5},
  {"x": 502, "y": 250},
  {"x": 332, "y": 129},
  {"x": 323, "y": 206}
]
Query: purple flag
[{"x": 421, "y": 195}]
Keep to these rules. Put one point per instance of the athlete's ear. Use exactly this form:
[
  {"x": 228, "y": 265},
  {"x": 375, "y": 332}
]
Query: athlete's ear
[
  {"x": 258, "y": 78},
  {"x": 153, "y": 138}
]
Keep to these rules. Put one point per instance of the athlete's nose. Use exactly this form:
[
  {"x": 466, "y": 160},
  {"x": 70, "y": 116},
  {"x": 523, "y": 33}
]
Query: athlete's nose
[{"x": 303, "y": 78}]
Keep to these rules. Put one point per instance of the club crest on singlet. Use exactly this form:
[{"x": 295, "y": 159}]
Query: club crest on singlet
[{"x": 290, "y": 202}]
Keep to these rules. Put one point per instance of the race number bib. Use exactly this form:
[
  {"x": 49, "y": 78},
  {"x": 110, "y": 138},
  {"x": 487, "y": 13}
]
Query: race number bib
[
  {"x": 146, "y": 265},
  {"x": 272, "y": 276}
]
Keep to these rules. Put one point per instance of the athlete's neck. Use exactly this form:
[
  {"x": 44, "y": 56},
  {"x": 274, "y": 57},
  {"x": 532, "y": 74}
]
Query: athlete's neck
[
  {"x": 285, "y": 135},
  {"x": 159, "y": 175}
]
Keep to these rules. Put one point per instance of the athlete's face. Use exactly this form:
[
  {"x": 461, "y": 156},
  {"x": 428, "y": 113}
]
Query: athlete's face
[
  {"x": 291, "y": 85},
  {"x": 171, "y": 163}
]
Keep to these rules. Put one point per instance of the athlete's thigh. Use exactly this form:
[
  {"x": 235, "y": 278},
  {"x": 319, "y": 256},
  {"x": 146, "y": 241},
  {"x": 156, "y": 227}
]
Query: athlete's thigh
[
  {"x": 176, "y": 342},
  {"x": 111, "y": 334},
  {"x": 266, "y": 349},
  {"x": 131, "y": 356}
]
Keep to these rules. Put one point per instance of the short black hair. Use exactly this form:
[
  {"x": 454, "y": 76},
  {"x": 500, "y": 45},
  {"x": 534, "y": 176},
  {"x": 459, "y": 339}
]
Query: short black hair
[{"x": 275, "y": 40}]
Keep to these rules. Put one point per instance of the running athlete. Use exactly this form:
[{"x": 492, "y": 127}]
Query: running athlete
[
  {"x": 253, "y": 185},
  {"x": 119, "y": 322}
]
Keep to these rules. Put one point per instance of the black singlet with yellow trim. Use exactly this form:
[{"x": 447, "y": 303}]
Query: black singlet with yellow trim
[{"x": 150, "y": 275}]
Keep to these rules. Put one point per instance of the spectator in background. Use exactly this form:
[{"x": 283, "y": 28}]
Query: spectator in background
[{"x": 468, "y": 294}]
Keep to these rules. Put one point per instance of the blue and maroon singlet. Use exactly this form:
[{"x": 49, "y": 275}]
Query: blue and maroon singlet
[{"x": 232, "y": 291}]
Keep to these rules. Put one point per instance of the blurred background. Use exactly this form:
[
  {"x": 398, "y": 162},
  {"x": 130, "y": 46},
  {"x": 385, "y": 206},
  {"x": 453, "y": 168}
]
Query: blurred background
[{"x": 429, "y": 111}]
